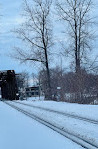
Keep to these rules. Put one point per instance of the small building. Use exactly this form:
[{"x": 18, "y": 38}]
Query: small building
[{"x": 33, "y": 91}]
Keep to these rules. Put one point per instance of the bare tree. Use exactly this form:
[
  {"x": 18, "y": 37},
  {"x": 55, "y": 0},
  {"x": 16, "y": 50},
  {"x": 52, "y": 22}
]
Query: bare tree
[
  {"x": 22, "y": 80},
  {"x": 77, "y": 14},
  {"x": 36, "y": 32}
]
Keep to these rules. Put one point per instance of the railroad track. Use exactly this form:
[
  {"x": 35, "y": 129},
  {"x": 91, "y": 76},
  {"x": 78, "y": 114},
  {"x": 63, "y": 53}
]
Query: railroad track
[
  {"x": 80, "y": 141},
  {"x": 61, "y": 113}
]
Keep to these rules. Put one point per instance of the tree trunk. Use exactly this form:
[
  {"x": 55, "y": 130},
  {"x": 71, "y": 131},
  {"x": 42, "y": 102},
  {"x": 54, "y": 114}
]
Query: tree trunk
[{"x": 48, "y": 95}]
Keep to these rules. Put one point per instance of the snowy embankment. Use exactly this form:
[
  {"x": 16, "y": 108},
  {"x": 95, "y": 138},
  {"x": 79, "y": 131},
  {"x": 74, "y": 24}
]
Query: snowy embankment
[
  {"x": 83, "y": 129},
  {"x": 20, "y": 132}
]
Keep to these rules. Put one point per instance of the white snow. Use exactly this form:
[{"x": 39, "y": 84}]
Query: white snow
[
  {"x": 87, "y": 111},
  {"x": 17, "y": 131},
  {"x": 80, "y": 128},
  {"x": 36, "y": 98}
]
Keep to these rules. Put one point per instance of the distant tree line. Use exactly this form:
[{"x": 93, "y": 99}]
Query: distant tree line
[{"x": 64, "y": 86}]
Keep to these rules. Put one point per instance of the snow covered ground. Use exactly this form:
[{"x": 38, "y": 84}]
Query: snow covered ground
[
  {"x": 20, "y": 132},
  {"x": 88, "y": 111},
  {"x": 83, "y": 129},
  {"x": 36, "y": 98}
]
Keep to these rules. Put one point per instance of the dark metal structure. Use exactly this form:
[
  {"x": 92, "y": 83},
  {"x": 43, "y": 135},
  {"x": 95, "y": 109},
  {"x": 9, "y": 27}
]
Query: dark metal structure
[{"x": 8, "y": 85}]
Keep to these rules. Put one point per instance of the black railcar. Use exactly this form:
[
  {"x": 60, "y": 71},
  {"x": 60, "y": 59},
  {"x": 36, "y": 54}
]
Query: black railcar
[{"x": 8, "y": 85}]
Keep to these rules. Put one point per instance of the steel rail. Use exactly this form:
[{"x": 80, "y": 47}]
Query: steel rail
[
  {"x": 61, "y": 113},
  {"x": 80, "y": 141}
]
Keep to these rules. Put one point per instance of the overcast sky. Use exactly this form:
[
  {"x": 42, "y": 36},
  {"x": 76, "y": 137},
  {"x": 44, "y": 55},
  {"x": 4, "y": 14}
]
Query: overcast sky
[{"x": 11, "y": 18}]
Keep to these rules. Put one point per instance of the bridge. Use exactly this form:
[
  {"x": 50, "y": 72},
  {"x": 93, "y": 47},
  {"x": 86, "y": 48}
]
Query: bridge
[{"x": 8, "y": 85}]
